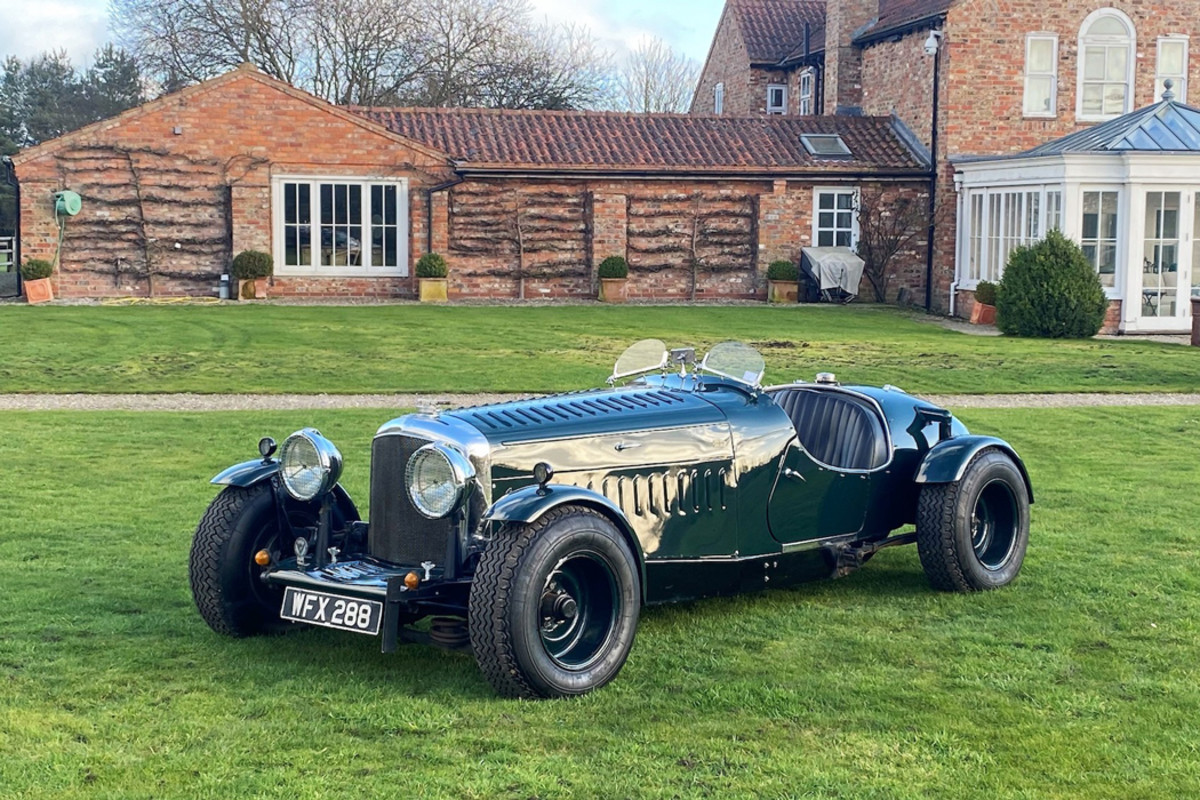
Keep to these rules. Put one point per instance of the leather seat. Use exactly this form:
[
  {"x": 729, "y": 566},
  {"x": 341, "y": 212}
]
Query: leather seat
[{"x": 836, "y": 428}]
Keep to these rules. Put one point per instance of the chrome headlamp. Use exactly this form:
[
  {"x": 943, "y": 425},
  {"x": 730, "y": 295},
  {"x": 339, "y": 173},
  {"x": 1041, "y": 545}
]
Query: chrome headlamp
[
  {"x": 438, "y": 479},
  {"x": 309, "y": 464}
]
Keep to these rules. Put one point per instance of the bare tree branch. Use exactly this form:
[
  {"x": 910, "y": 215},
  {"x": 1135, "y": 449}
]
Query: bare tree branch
[{"x": 656, "y": 79}]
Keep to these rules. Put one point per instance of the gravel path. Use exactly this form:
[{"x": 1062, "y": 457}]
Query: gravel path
[{"x": 260, "y": 402}]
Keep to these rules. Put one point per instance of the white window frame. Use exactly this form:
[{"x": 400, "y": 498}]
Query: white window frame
[
  {"x": 719, "y": 99},
  {"x": 1120, "y": 257},
  {"x": 1101, "y": 40},
  {"x": 364, "y": 269},
  {"x": 816, "y": 214},
  {"x": 806, "y": 91},
  {"x": 781, "y": 107},
  {"x": 1181, "y": 81},
  {"x": 999, "y": 219},
  {"x": 1052, "y": 75}
]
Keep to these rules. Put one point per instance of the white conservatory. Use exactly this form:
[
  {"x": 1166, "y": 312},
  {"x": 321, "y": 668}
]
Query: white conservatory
[{"x": 1128, "y": 191}]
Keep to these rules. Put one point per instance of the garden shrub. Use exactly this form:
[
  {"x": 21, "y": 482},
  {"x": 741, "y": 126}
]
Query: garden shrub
[
  {"x": 985, "y": 292},
  {"x": 431, "y": 265},
  {"x": 1049, "y": 290},
  {"x": 782, "y": 270},
  {"x": 35, "y": 269},
  {"x": 613, "y": 267},
  {"x": 250, "y": 265}
]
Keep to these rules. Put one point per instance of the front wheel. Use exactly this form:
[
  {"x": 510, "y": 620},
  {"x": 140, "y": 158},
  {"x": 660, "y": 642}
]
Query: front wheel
[
  {"x": 554, "y": 605},
  {"x": 973, "y": 534},
  {"x": 231, "y": 598}
]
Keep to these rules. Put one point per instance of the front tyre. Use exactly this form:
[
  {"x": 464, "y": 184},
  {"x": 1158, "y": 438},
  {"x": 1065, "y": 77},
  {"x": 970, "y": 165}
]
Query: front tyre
[
  {"x": 231, "y": 598},
  {"x": 554, "y": 605},
  {"x": 972, "y": 535}
]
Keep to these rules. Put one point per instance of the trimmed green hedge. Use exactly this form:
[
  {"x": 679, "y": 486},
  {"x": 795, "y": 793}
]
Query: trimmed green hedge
[
  {"x": 35, "y": 269},
  {"x": 782, "y": 270},
  {"x": 431, "y": 265},
  {"x": 985, "y": 292},
  {"x": 250, "y": 265},
  {"x": 1049, "y": 290},
  {"x": 613, "y": 267}
]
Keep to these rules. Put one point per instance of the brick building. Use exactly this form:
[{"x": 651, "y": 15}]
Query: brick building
[
  {"x": 1009, "y": 77},
  {"x": 522, "y": 204}
]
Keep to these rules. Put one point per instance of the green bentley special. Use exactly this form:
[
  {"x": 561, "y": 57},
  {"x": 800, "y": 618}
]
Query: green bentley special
[{"x": 534, "y": 532}]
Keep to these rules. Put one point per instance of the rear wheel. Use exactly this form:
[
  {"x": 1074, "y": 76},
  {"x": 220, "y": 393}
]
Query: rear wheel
[
  {"x": 554, "y": 605},
  {"x": 225, "y": 581},
  {"x": 973, "y": 534}
]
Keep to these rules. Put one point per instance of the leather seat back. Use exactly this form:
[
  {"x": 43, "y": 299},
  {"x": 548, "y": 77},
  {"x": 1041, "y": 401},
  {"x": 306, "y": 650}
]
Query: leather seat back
[{"x": 837, "y": 429}]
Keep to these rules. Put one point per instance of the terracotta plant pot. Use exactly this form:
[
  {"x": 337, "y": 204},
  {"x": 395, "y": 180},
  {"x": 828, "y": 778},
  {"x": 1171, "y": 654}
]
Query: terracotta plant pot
[
  {"x": 252, "y": 289},
  {"x": 434, "y": 290},
  {"x": 783, "y": 291},
  {"x": 38, "y": 291},
  {"x": 983, "y": 314},
  {"x": 612, "y": 290}
]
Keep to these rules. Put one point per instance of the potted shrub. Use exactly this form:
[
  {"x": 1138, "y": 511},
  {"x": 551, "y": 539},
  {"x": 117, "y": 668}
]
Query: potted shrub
[
  {"x": 1050, "y": 290},
  {"x": 251, "y": 268},
  {"x": 984, "y": 310},
  {"x": 783, "y": 282},
  {"x": 36, "y": 276},
  {"x": 613, "y": 273},
  {"x": 431, "y": 274}
]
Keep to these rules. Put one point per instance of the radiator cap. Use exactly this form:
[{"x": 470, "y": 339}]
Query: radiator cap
[{"x": 827, "y": 379}]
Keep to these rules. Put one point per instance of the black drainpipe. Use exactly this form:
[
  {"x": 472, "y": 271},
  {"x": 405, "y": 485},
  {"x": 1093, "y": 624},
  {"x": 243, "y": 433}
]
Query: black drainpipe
[
  {"x": 933, "y": 178},
  {"x": 441, "y": 187},
  {"x": 10, "y": 177}
]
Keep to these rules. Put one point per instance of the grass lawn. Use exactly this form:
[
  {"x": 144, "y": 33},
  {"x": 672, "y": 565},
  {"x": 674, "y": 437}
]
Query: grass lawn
[
  {"x": 412, "y": 348},
  {"x": 1081, "y": 680}
]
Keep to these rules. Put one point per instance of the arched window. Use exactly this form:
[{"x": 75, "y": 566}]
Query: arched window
[{"x": 1106, "y": 64}]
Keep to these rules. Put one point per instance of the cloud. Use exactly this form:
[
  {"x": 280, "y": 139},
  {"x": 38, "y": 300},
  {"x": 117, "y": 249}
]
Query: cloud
[
  {"x": 31, "y": 28},
  {"x": 621, "y": 24}
]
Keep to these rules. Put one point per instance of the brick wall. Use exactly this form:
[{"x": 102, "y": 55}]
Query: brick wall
[
  {"x": 843, "y": 65},
  {"x": 985, "y": 61},
  {"x": 172, "y": 190},
  {"x": 728, "y": 63}
]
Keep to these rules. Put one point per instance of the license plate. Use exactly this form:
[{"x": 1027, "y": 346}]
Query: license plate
[{"x": 332, "y": 611}]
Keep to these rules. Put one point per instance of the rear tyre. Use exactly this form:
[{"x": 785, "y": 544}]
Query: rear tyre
[
  {"x": 231, "y": 598},
  {"x": 972, "y": 535},
  {"x": 554, "y": 605}
]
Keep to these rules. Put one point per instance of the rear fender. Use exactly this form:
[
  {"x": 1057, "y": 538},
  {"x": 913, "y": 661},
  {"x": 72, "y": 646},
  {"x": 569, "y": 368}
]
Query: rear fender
[
  {"x": 946, "y": 461},
  {"x": 530, "y": 503}
]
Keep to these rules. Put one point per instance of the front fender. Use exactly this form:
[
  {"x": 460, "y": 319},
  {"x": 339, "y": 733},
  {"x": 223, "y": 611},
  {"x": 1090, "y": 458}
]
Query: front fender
[
  {"x": 249, "y": 473},
  {"x": 946, "y": 461},
  {"x": 530, "y": 503}
]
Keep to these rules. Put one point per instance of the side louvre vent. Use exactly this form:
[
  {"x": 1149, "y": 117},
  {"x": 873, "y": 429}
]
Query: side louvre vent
[{"x": 685, "y": 493}]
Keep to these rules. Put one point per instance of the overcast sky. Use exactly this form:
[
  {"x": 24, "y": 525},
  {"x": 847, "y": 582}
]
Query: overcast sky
[{"x": 30, "y": 27}]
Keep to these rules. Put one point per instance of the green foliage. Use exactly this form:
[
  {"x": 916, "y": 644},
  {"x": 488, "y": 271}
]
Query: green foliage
[
  {"x": 35, "y": 269},
  {"x": 613, "y": 267},
  {"x": 1049, "y": 290},
  {"x": 250, "y": 265},
  {"x": 782, "y": 270},
  {"x": 432, "y": 265},
  {"x": 985, "y": 292},
  {"x": 1082, "y": 670},
  {"x": 46, "y": 97}
]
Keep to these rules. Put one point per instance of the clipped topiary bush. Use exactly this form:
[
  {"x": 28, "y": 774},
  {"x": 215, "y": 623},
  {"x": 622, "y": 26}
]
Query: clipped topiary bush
[
  {"x": 431, "y": 265},
  {"x": 1049, "y": 290},
  {"x": 250, "y": 265},
  {"x": 35, "y": 269},
  {"x": 985, "y": 292},
  {"x": 613, "y": 267},
  {"x": 782, "y": 270}
]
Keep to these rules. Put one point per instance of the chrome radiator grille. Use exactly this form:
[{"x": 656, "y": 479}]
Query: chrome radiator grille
[{"x": 398, "y": 532}]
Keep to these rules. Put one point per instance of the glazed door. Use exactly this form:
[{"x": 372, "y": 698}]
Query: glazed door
[{"x": 813, "y": 501}]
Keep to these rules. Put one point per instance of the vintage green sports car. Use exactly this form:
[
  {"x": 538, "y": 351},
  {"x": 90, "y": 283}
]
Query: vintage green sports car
[{"x": 535, "y": 531}]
